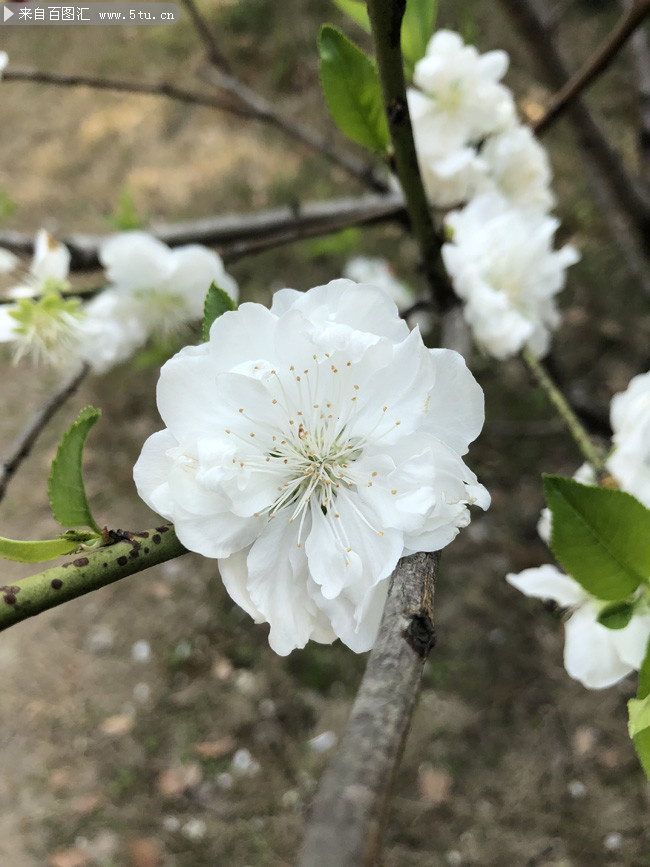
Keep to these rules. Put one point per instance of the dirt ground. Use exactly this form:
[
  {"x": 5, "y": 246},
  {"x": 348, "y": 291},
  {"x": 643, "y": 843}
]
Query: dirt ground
[{"x": 149, "y": 724}]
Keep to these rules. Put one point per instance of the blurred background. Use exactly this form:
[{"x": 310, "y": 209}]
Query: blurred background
[{"x": 149, "y": 724}]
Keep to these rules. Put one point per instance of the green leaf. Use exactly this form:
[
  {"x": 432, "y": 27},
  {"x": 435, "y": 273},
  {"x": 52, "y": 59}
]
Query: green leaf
[
  {"x": 417, "y": 28},
  {"x": 352, "y": 91},
  {"x": 35, "y": 552},
  {"x": 356, "y": 10},
  {"x": 616, "y": 615},
  {"x": 639, "y": 715},
  {"x": 600, "y": 536},
  {"x": 65, "y": 485},
  {"x": 217, "y": 302}
]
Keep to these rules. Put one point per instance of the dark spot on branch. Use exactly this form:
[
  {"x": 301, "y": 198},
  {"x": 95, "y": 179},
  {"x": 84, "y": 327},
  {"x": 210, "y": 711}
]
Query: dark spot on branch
[
  {"x": 65, "y": 565},
  {"x": 163, "y": 529},
  {"x": 122, "y": 561},
  {"x": 397, "y": 113},
  {"x": 104, "y": 565},
  {"x": 146, "y": 550},
  {"x": 136, "y": 546},
  {"x": 10, "y": 592},
  {"x": 81, "y": 561},
  {"x": 56, "y": 584},
  {"x": 156, "y": 539},
  {"x": 134, "y": 553},
  {"x": 421, "y": 634}
]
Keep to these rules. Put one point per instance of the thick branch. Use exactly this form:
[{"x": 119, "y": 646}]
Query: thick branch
[
  {"x": 596, "y": 64},
  {"x": 25, "y": 440},
  {"x": 87, "y": 572},
  {"x": 348, "y": 812},
  {"x": 531, "y": 20},
  {"x": 230, "y": 231},
  {"x": 386, "y": 21}
]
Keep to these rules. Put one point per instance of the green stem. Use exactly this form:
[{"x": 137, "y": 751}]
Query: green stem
[
  {"x": 589, "y": 450},
  {"x": 87, "y": 572},
  {"x": 386, "y": 22}
]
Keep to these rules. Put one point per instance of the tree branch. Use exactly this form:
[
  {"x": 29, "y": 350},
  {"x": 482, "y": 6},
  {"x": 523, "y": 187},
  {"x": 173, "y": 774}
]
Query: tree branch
[
  {"x": 386, "y": 21},
  {"x": 596, "y": 64},
  {"x": 246, "y": 104},
  {"x": 347, "y": 815},
  {"x": 87, "y": 572},
  {"x": 230, "y": 230},
  {"x": 214, "y": 54},
  {"x": 24, "y": 442},
  {"x": 641, "y": 56}
]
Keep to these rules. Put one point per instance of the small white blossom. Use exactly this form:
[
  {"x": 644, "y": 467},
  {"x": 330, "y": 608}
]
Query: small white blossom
[
  {"x": 593, "y": 654},
  {"x": 503, "y": 266},
  {"x": 4, "y": 60},
  {"x": 308, "y": 447},
  {"x": 629, "y": 462},
  {"x": 518, "y": 166},
  {"x": 111, "y": 330},
  {"x": 167, "y": 286},
  {"x": 8, "y": 261},
  {"x": 466, "y": 100}
]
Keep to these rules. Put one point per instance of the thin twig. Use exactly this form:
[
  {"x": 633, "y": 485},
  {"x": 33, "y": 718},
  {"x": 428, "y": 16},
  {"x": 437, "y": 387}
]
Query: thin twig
[
  {"x": 230, "y": 231},
  {"x": 87, "y": 572},
  {"x": 241, "y": 102},
  {"x": 596, "y": 64},
  {"x": 214, "y": 54},
  {"x": 347, "y": 815},
  {"x": 386, "y": 20},
  {"x": 24, "y": 442},
  {"x": 641, "y": 56},
  {"x": 531, "y": 20}
]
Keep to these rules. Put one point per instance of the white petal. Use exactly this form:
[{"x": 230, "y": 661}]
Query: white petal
[
  {"x": 590, "y": 654},
  {"x": 547, "y": 582},
  {"x": 136, "y": 260},
  {"x": 51, "y": 260}
]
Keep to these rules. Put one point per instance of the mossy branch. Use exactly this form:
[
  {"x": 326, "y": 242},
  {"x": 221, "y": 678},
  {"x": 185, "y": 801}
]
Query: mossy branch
[{"x": 87, "y": 572}]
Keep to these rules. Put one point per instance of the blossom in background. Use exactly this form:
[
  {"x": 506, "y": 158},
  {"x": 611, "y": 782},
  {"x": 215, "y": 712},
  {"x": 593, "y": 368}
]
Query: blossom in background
[
  {"x": 593, "y": 654},
  {"x": 8, "y": 262},
  {"x": 48, "y": 271},
  {"x": 503, "y": 266},
  {"x": 4, "y": 60},
  {"x": 517, "y": 166},
  {"x": 629, "y": 462},
  {"x": 164, "y": 288},
  {"x": 308, "y": 447}
]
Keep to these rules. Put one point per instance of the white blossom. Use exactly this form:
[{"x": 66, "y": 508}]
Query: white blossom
[
  {"x": 8, "y": 261},
  {"x": 111, "y": 331},
  {"x": 48, "y": 270},
  {"x": 503, "y": 266},
  {"x": 593, "y": 654},
  {"x": 4, "y": 60},
  {"x": 466, "y": 101},
  {"x": 167, "y": 286},
  {"x": 629, "y": 462},
  {"x": 308, "y": 447},
  {"x": 518, "y": 166}
]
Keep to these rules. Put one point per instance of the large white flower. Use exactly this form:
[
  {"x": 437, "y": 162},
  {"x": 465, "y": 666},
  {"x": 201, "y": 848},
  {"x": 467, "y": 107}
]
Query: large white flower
[
  {"x": 167, "y": 288},
  {"x": 308, "y": 447},
  {"x": 593, "y": 654},
  {"x": 629, "y": 463},
  {"x": 503, "y": 266}
]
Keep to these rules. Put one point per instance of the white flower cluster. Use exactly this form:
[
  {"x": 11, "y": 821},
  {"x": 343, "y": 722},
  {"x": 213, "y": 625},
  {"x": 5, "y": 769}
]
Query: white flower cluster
[
  {"x": 308, "y": 447},
  {"x": 594, "y": 654},
  {"x": 153, "y": 291},
  {"x": 473, "y": 151}
]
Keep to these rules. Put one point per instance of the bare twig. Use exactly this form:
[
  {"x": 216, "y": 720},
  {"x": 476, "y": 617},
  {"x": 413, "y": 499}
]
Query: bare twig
[
  {"x": 596, "y": 64},
  {"x": 347, "y": 815},
  {"x": 641, "y": 55},
  {"x": 239, "y": 101},
  {"x": 231, "y": 232},
  {"x": 531, "y": 19},
  {"x": 214, "y": 54},
  {"x": 25, "y": 440}
]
